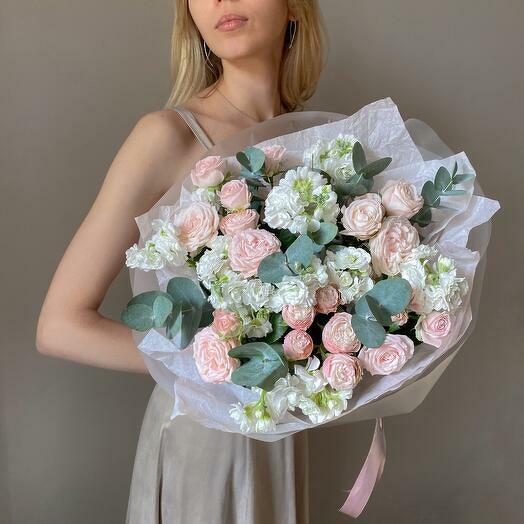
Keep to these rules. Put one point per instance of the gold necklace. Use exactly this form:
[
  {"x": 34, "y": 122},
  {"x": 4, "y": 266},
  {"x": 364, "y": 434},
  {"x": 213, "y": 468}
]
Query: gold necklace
[{"x": 240, "y": 110}]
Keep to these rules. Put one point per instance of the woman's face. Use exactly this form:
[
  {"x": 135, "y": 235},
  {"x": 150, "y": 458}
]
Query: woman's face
[{"x": 261, "y": 30}]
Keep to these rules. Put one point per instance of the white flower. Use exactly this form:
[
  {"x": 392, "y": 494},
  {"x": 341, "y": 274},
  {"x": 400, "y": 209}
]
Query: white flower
[
  {"x": 206, "y": 194},
  {"x": 161, "y": 250},
  {"x": 315, "y": 276},
  {"x": 257, "y": 325},
  {"x": 293, "y": 291},
  {"x": 256, "y": 293},
  {"x": 253, "y": 417},
  {"x": 350, "y": 257},
  {"x": 213, "y": 261},
  {"x": 284, "y": 396},
  {"x": 325, "y": 405},
  {"x": 302, "y": 199}
]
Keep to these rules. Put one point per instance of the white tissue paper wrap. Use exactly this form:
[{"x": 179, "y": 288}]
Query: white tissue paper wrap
[{"x": 462, "y": 234}]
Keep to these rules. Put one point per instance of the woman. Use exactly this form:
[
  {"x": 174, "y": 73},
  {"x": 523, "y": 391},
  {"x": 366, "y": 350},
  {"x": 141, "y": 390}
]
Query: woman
[{"x": 235, "y": 63}]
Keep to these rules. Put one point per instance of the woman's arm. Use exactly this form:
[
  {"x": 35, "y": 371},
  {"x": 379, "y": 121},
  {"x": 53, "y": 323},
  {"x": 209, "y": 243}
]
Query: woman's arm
[{"x": 69, "y": 325}]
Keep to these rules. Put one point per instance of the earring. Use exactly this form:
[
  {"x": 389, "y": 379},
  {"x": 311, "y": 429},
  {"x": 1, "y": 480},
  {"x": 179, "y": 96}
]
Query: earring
[
  {"x": 293, "y": 31},
  {"x": 207, "y": 53}
]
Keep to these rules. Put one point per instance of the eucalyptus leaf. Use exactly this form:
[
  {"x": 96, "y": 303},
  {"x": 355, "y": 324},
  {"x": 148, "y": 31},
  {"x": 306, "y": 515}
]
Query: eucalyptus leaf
[
  {"x": 174, "y": 322},
  {"x": 207, "y": 314},
  {"x": 138, "y": 317},
  {"x": 442, "y": 179},
  {"x": 273, "y": 268},
  {"x": 286, "y": 238},
  {"x": 376, "y": 167},
  {"x": 392, "y": 294},
  {"x": 263, "y": 365},
  {"x": 455, "y": 192},
  {"x": 325, "y": 234},
  {"x": 423, "y": 217},
  {"x": 370, "y": 308},
  {"x": 369, "y": 332},
  {"x": 458, "y": 179},
  {"x": 300, "y": 252},
  {"x": 279, "y": 328},
  {"x": 162, "y": 308},
  {"x": 147, "y": 298},
  {"x": 430, "y": 194},
  {"x": 256, "y": 158},
  {"x": 358, "y": 157}
]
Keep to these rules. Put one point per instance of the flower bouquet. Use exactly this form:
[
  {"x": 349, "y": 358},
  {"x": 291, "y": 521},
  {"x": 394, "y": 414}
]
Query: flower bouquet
[{"x": 314, "y": 269}]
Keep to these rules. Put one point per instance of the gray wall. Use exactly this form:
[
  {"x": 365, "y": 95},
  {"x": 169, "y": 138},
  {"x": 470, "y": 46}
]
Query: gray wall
[{"x": 75, "y": 77}]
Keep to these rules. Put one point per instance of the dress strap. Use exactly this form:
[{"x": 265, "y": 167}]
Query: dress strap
[{"x": 193, "y": 124}]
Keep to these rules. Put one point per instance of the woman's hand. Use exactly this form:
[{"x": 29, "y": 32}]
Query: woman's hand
[{"x": 157, "y": 153}]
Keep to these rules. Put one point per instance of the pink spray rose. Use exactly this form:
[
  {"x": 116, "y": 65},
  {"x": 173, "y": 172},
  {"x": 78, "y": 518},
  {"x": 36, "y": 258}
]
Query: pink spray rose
[
  {"x": 433, "y": 327},
  {"x": 400, "y": 198},
  {"x": 338, "y": 335},
  {"x": 342, "y": 371},
  {"x": 363, "y": 217},
  {"x": 400, "y": 318},
  {"x": 235, "y": 195},
  {"x": 226, "y": 323},
  {"x": 298, "y": 317},
  {"x": 273, "y": 156},
  {"x": 393, "y": 243},
  {"x": 298, "y": 345},
  {"x": 211, "y": 356},
  {"x": 235, "y": 222},
  {"x": 208, "y": 171},
  {"x": 388, "y": 358},
  {"x": 249, "y": 247},
  {"x": 197, "y": 224},
  {"x": 327, "y": 299}
]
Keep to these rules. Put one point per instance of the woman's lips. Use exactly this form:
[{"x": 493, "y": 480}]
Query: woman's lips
[{"x": 231, "y": 25}]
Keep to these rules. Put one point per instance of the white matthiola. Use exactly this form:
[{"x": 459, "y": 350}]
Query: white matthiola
[
  {"x": 256, "y": 324},
  {"x": 315, "y": 276},
  {"x": 213, "y": 261},
  {"x": 256, "y": 293},
  {"x": 293, "y": 291},
  {"x": 206, "y": 194},
  {"x": 434, "y": 280},
  {"x": 226, "y": 291},
  {"x": 161, "y": 250},
  {"x": 253, "y": 417},
  {"x": 349, "y": 268},
  {"x": 302, "y": 199},
  {"x": 284, "y": 396},
  {"x": 335, "y": 157}
]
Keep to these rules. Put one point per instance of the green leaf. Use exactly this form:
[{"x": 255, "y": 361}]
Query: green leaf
[
  {"x": 369, "y": 332},
  {"x": 392, "y": 294},
  {"x": 256, "y": 158},
  {"x": 358, "y": 157},
  {"x": 286, "y": 238},
  {"x": 174, "y": 322},
  {"x": 423, "y": 217},
  {"x": 442, "y": 179},
  {"x": 189, "y": 296},
  {"x": 366, "y": 306},
  {"x": 430, "y": 194},
  {"x": 279, "y": 328},
  {"x": 264, "y": 366},
  {"x": 162, "y": 307},
  {"x": 300, "y": 253},
  {"x": 376, "y": 167},
  {"x": 458, "y": 179},
  {"x": 147, "y": 298},
  {"x": 454, "y": 192},
  {"x": 326, "y": 233},
  {"x": 138, "y": 317},
  {"x": 273, "y": 268},
  {"x": 207, "y": 314}
]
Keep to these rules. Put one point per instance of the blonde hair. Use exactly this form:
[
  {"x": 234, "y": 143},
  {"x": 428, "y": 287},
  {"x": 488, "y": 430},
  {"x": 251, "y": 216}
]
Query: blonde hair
[{"x": 301, "y": 66}]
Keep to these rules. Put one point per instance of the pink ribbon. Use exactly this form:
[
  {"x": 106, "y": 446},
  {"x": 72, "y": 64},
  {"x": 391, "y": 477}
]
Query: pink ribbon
[{"x": 369, "y": 474}]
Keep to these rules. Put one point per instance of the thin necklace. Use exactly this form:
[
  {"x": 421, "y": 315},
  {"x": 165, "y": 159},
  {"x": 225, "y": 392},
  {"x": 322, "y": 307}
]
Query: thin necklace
[{"x": 238, "y": 109}]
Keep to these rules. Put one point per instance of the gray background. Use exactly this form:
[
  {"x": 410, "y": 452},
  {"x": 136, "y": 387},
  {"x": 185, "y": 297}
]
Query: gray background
[{"x": 76, "y": 76}]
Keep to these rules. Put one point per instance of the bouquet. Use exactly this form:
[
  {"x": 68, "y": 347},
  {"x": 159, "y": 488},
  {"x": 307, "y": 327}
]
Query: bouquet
[{"x": 308, "y": 276}]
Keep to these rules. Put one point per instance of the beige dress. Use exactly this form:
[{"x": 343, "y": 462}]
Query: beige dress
[{"x": 185, "y": 473}]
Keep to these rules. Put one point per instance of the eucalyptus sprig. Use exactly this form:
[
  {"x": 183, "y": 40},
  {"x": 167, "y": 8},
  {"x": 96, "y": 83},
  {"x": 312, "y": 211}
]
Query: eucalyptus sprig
[{"x": 432, "y": 191}]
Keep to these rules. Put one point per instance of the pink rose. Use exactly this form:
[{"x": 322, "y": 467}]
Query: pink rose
[
  {"x": 388, "y": 358},
  {"x": 401, "y": 318},
  {"x": 394, "y": 242},
  {"x": 249, "y": 247},
  {"x": 342, "y": 371},
  {"x": 433, "y": 327},
  {"x": 363, "y": 217},
  {"x": 273, "y": 156},
  {"x": 235, "y": 195},
  {"x": 197, "y": 225},
  {"x": 235, "y": 222},
  {"x": 298, "y": 345},
  {"x": 211, "y": 356},
  {"x": 327, "y": 299},
  {"x": 338, "y": 335},
  {"x": 208, "y": 171},
  {"x": 226, "y": 323},
  {"x": 298, "y": 317},
  {"x": 400, "y": 198}
]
